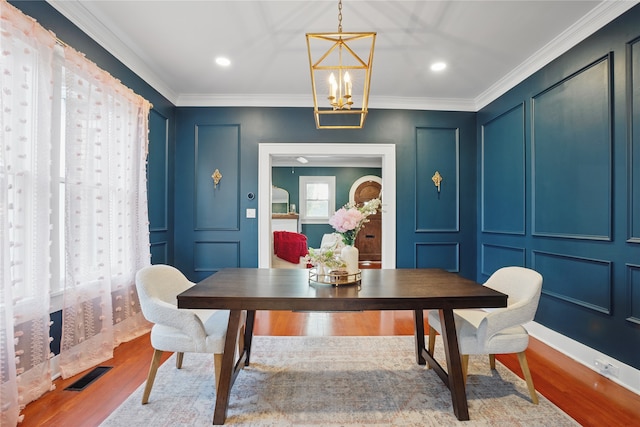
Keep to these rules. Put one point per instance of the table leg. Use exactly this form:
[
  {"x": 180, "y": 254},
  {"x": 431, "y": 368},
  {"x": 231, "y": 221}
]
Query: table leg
[
  {"x": 248, "y": 334},
  {"x": 454, "y": 365},
  {"x": 418, "y": 317},
  {"x": 227, "y": 369}
]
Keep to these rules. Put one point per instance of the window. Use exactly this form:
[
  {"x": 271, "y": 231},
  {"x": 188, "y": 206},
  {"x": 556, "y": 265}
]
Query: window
[{"x": 317, "y": 199}]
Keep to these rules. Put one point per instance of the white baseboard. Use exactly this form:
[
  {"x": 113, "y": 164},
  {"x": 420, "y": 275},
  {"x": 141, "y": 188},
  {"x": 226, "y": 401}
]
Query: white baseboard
[{"x": 627, "y": 377}]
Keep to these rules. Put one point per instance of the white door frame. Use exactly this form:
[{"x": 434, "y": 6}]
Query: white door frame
[{"x": 387, "y": 153}]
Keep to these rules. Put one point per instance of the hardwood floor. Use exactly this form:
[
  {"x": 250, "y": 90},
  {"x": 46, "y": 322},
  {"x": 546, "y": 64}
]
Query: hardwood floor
[{"x": 589, "y": 398}]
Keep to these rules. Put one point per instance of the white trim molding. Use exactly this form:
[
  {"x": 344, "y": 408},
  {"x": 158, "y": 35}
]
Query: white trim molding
[{"x": 628, "y": 376}]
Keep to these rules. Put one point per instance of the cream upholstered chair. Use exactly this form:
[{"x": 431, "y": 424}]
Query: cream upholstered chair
[
  {"x": 332, "y": 241},
  {"x": 498, "y": 331},
  {"x": 177, "y": 330}
]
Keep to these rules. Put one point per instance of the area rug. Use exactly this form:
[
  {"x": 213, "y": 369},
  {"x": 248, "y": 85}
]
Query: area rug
[{"x": 335, "y": 381}]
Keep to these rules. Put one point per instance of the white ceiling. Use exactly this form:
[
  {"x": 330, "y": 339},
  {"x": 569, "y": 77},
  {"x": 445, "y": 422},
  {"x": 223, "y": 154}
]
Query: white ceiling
[{"x": 489, "y": 46}]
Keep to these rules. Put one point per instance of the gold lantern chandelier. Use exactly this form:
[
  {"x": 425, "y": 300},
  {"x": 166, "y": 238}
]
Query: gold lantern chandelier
[{"x": 340, "y": 76}]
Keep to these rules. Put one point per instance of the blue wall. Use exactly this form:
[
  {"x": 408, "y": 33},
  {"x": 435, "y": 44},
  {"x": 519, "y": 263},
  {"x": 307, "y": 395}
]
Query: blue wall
[
  {"x": 547, "y": 176},
  {"x": 559, "y": 186},
  {"x": 432, "y": 230}
]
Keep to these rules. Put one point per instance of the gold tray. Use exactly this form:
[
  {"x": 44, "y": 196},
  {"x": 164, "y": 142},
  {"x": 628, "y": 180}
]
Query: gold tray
[{"x": 335, "y": 277}]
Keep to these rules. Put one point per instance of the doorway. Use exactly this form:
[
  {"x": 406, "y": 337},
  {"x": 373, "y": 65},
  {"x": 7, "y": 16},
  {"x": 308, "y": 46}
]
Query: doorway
[{"x": 385, "y": 152}]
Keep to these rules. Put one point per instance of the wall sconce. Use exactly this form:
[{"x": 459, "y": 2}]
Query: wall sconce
[
  {"x": 217, "y": 176},
  {"x": 437, "y": 179}
]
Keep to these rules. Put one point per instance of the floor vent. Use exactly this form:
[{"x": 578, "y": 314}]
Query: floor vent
[{"x": 90, "y": 377}]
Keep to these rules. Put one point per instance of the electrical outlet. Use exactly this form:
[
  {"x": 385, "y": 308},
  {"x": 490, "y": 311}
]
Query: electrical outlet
[{"x": 607, "y": 368}]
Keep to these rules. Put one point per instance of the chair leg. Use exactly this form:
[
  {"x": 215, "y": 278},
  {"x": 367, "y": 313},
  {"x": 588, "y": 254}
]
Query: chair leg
[
  {"x": 432, "y": 342},
  {"x": 155, "y": 362},
  {"x": 179, "y": 358},
  {"x": 492, "y": 361},
  {"x": 527, "y": 375},
  {"x": 464, "y": 360},
  {"x": 217, "y": 367}
]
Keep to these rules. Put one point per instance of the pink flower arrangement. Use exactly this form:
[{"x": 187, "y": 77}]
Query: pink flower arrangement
[
  {"x": 346, "y": 219},
  {"x": 349, "y": 219}
]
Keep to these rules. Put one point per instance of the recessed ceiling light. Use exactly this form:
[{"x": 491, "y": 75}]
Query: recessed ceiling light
[
  {"x": 302, "y": 160},
  {"x": 222, "y": 61},
  {"x": 438, "y": 66}
]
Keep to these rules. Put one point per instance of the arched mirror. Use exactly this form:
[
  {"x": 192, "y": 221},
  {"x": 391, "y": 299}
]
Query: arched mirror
[{"x": 279, "y": 200}]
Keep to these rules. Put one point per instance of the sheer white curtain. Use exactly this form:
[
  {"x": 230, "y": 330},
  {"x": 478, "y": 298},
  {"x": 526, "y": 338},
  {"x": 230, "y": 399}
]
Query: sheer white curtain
[
  {"x": 60, "y": 112},
  {"x": 106, "y": 221},
  {"x": 27, "y": 82}
]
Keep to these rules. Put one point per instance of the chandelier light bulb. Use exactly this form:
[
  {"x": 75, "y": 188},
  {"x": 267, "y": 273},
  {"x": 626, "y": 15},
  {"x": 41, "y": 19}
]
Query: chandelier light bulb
[
  {"x": 333, "y": 87},
  {"x": 347, "y": 85}
]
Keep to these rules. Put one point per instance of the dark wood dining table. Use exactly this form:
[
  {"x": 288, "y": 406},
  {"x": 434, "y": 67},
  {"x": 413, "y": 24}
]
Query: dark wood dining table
[{"x": 251, "y": 289}]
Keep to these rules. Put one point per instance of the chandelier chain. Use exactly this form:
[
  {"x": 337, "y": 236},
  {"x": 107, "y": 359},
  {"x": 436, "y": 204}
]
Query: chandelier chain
[{"x": 339, "y": 16}]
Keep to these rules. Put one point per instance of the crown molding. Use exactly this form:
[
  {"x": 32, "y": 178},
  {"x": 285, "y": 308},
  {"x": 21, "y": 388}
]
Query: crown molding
[
  {"x": 279, "y": 100},
  {"x": 601, "y": 15},
  {"x": 244, "y": 100},
  {"x": 406, "y": 103},
  {"x": 95, "y": 28}
]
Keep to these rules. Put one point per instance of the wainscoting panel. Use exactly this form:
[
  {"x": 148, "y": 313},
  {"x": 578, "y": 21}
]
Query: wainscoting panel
[
  {"x": 503, "y": 167},
  {"x": 158, "y": 172},
  {"x": 217, "y": 207},
  {"x": 445, "y": 255},
  {"x": 633, "y": 163},
  {"x": 159, "y": 253},
  {"x": 572, "y": 165},
  {"x": 582, "y": 281},
  {"x": 494, "y": 257},
  {"x": 437, "y": 149},
  {"x": 633, "y": 285},
  {"x": 212, "y": 256}
]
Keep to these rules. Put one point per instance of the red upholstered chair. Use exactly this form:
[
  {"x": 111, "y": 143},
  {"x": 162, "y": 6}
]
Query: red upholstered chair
[{"x": 289, "y": 250}]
